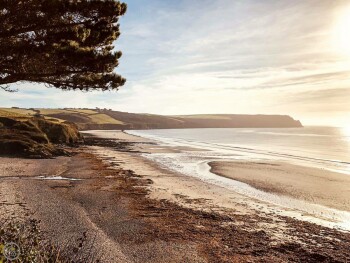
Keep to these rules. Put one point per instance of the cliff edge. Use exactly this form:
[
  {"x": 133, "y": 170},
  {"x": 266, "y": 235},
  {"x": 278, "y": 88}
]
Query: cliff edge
[{"x": 35, "y": 137}]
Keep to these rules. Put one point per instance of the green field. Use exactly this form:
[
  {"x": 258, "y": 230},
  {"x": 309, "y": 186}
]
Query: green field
[
  {"x": 103, "y": 119},
  {"x": 92, "y": 116}
]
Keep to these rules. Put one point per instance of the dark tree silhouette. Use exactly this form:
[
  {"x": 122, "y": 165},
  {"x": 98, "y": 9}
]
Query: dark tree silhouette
[{"x": 67, "y": 44}]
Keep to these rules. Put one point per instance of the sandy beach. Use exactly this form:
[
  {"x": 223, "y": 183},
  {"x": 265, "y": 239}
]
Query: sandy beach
[
  {"x": 129, "y": 209},
  {"x": 314, "y": 185}
]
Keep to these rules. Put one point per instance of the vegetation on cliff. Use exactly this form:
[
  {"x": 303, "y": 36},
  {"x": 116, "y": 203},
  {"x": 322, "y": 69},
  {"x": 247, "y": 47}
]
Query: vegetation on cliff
[
  {"x": 106, "y": 119},
  {"x": 35, "y": 137}
]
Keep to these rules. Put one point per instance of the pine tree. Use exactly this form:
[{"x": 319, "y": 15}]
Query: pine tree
[{"x": 68, "y": 44}]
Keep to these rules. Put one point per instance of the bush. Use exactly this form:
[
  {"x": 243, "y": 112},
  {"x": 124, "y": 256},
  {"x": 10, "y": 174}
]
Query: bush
[{"x": 35, "y": 137}]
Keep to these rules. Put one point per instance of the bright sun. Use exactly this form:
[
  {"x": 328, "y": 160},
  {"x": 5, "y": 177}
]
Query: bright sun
[{"x": 341, "y": 38}]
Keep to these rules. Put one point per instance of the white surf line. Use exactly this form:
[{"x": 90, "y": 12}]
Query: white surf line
[
  {"x": 230, "y": 149},
  {"x": 300, "y": 209},
  {"x": 292, "y": 207},
  {"x": 42, "y": 177}
]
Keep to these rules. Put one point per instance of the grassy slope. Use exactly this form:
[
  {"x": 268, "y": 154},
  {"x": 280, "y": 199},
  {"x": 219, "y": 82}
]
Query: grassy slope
[
  {"x": 22, "y": 134},
  {"x": 93, "y": 115},
  {"x": 107, "y": 119}
]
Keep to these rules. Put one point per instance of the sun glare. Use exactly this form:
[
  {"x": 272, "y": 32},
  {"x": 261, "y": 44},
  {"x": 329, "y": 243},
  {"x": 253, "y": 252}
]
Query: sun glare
[
  {"x": 341, "y": 38},
  {"x": 346, "y": 132}
]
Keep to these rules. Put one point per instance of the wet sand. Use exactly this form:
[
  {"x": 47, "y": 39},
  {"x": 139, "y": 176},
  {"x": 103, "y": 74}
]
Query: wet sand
[
  {"x": 98, "y": 208},
  {"x": 132, "y": 210},
  {"x": 314, "y": 185}
]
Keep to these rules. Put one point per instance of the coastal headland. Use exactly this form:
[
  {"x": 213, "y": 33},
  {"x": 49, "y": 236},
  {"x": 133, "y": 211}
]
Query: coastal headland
[{"x": 107, "y": 119}]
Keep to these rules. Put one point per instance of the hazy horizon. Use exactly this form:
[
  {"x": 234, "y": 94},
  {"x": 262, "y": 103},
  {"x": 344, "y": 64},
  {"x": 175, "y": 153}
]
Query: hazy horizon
[{"x": 224, "y": 57}]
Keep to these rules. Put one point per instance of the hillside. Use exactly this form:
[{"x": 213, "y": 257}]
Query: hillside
[
  {"x": 22, "y": 134},
  {"x": 103, "y": 119}
]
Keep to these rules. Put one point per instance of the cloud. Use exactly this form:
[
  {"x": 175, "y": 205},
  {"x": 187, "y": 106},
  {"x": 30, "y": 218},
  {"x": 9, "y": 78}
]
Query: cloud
[
  {"x": 221, "y": 56},
  {"x": 340, "y": 96}
]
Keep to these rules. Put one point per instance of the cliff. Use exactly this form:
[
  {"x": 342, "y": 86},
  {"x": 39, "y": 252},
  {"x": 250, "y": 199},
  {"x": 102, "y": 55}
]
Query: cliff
[
  {"x": 35, "y": 137},
  {"x": 103, "y": 119}
]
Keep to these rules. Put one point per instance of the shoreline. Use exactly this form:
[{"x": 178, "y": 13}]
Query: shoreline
[
  {"x": 139, "y": 215},
  {"x": 252, "y": 152},
  {"x": 303, "y": 192},
  {"x": 323, "y": 187},
  {"x": 280, "y": 229}
]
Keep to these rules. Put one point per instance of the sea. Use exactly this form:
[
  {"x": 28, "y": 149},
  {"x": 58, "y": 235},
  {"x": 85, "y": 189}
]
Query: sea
[{"x": 320, "y": 147}]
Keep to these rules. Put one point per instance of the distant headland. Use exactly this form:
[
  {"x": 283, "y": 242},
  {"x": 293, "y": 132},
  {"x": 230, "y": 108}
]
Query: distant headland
[{"x": 106, "y": 119}]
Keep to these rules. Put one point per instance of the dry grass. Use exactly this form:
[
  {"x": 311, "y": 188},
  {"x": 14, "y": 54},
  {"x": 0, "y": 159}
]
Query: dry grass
[
  {"x": 103, "y": 119},
  {"x": 52, "y": 111},
  {"x": 82, "y": 111},
  {"x": 22, "y": 114},
  {"x": 94, "y": 116},
  {"x": 18, "y": 111},
  {"x": 34, "y": 247},
  {"x": 9, "y": 113},
  {"x": 204, "y": 116},
  {"x": 35, "y": 137}
]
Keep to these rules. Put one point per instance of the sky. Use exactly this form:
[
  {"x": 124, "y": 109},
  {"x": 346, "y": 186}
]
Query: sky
[{"x": 224, "y": 56}]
